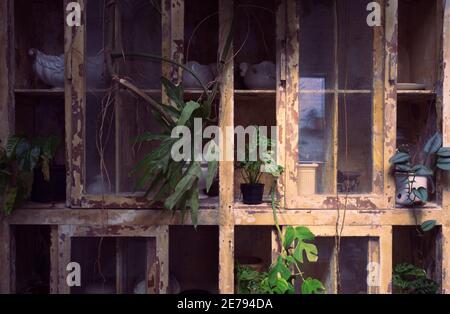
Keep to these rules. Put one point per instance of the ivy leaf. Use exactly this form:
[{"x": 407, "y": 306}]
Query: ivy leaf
[
  {"x": 421, "y": 193},
  {"x": 399, "y": 157},
  {"x": 445, "y": 167},
  {"x": 428, "y": 225},
  {"x": 422, "y": 170},
  {"x": 312, "y": 286},
  {"x": 434, "y": 144},
  {"x": 443, "y": 152},
  {"x": 194, "y": 203}
]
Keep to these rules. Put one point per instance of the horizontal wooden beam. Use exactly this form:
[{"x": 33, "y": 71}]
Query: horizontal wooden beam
[{"x": 242, "y": 216}]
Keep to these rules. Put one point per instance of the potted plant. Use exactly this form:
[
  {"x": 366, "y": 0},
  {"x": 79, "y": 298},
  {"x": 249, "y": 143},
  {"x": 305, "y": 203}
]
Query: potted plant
[
  {"x": 252, "y": 168},
  {"x": 18, "y": 160},
  {"x": 412, "y": 179}
]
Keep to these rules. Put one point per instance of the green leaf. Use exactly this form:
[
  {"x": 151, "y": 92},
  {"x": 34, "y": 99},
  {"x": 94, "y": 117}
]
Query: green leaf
[
  {"x": 303, "y": 233},
  {"x": 443, "y": 152},
  {"x": 428, "y": 225},
  {"x": 399, "y": 157},
  {"x": 289, "y": 237},
  {"x": 281, "y": 286},
  {"x": 187, "y": 112},
  {"x": 310, "y": 250},
  {"x": 174, "y": 92},
  {"x": 443, "y": 166},
  {"x": 11, "y": 145},
  {"x": 433, "y": 144},
  {"x": 149, "y": 137},
  {"x": 312, "y": 286},
  {"x": 421, "y": 193},
  {"x": 443, "y": 160},
  {"x": 9, "y": 200},
  {"x": 213, "y": 163},
  {"x": 277, "y": 271},
  {"x": 194, "y": 203},
  {"x": 192, "y": 174},
  {"x": 421, "y": 170}
]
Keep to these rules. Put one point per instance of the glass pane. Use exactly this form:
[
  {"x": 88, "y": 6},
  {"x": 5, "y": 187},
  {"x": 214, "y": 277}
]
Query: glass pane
[
  {"x": 315, "y": 129},
  {"x": 141, "y": 32},
  {"x": 96, "y": 257},
  {"x": 132, "y": 254},
  {"x": 134, "y": 118},
  {"x": 355, "y": 45},
  {"x": 100, "y": 144},
  {"x": 353, "y": 265},
  {"x": 255, "y": 45},
  {"x": 317, "y": 41},
  {"x": 355, "y": 143},
  {"x": 201, "y": 40}
]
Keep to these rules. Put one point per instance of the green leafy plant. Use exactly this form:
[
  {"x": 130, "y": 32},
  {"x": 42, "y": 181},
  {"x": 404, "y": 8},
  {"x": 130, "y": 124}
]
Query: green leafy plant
[
  {"x": 263, "y": 161},
  {"x": 436, "y": 157},
  {"x": 410, "y": 279},
  {"x": 175, "y": 183},
  {"x": 18, "y": 159},
  {"x": 296, "y": 249}
]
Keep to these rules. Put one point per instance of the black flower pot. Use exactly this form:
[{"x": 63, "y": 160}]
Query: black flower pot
[
  {"x": 252, "y": 193},
  {"x": 52, "y": 191}
]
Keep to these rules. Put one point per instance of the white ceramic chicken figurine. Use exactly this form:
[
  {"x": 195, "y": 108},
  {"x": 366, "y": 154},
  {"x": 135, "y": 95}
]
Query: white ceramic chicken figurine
[
  {"x": 259, "y": 76},
  {"x": 50, "y": 69}
]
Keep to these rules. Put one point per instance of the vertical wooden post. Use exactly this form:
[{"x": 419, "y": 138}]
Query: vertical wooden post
[
  {"x": 373, "y": 266},
  {"x": 385, "y": 260},
  {"x": 120, "y": 266},
  {"x": 6, "y": 70},
  {"x": 54, "y": 260},
  {"x": 162, "y": 256},
  {"x": 446, "y": 143},
  {"x": 281, "y": 95},
  {"x": 226, "y": 168},
  {"x": 390, "y": 97},
  {"x": 331, "y": 284},
  {"x": 378, "y": 108},
  {"x": 75, "y": 105},
  {"x": 5, "y": 257},
  {"x": 64, "y": 253}
]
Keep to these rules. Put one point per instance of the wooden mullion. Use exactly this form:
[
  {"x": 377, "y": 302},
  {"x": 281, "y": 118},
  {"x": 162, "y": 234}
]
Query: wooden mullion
[
  {"x": 373, "y": 262},
  {"x": 281, "y": 94},
  {"x": 75, "y": 106},
  {"x": 64, "y": 252},
  {"x": 162, "y": 259},
  {"x": 385, "y": 268},
  {"x": 446, "y": 140},
  {"x": 378, "y": 107},
  {"x": 226, "y": 168},
  {"x": 120, "y": 266},
  {"x": 292, "y": 135},
  {"x": 390, "y": 98},
  {"x": 54, "y": 260}
]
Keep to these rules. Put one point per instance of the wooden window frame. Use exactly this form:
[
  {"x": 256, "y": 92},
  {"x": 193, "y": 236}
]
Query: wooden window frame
[
  {"x": 383, "y": 120},
  {"x": 158, "y": 251}
]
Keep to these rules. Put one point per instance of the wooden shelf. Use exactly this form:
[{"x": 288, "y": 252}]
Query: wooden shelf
[
  {"x": 39, "y": 92},
  {"x": 416, "y": 92}
]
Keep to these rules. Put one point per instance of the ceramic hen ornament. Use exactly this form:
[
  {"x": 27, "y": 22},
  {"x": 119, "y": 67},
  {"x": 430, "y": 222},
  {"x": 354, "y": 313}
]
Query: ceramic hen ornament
[
  {"x": 203, "y": 72},
  {"x": 50, "y": 69},
  {"x": 259, "y": 76}
]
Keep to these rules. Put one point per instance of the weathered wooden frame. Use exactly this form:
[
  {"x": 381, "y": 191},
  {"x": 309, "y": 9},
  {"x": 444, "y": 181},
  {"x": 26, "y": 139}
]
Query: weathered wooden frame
[
  {"x": 157, "y": 273},
  {"x": 367, "y": 215}
]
